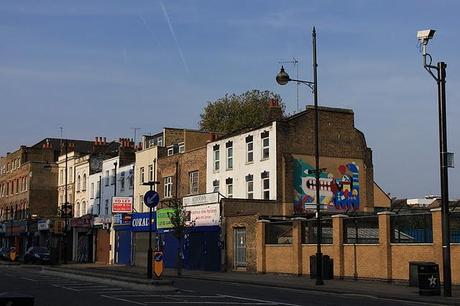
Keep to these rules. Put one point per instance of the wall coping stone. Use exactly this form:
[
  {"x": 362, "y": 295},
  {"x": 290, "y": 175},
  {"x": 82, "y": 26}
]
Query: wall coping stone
[
  {"x": 386, "y": 213},
  {"x": 436, "y": 209},
  {"x": 340, "y": 216}
]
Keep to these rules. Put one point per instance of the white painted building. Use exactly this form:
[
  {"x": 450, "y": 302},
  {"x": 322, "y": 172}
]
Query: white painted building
[
  {"x": 244, "y": 165},
  {"x": 144, "y": 172}
]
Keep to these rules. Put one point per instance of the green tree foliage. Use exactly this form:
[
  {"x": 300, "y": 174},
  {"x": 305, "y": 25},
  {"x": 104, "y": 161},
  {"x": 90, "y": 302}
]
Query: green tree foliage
[{"x": 233, "y": 112}]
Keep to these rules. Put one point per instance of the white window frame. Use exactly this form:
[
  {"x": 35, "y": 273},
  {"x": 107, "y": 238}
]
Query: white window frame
[
  {"x": 250, "y": 191},
  {"x": 168, "y": 184},
  {"x": 142, "y": 174},
  {"x": 181, "y": 147},
  {"x": 265, "y": 147},
  {"x": 265, "y": 189},
  {"x": 194, "y": 182},
  {"x": 229, "y": 189},
  {"x": 215, "y": 186},
  {"x": 170, "y": 151},
  {"x": 250, "y": 152},
  {"x": 216, "y": 158},
  {"x": 122, "y": 180},
  {"x": 230, "y": 157},
  {"x": 150, "y": 173}
]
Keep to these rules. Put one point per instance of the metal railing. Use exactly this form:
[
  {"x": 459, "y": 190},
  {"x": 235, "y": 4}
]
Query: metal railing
[
  {"x": 361, "y": 230},
  {"x": 411, "y": 228},
  {"x": 310, "y": 228},
  {"x": 278, "y": 232}
]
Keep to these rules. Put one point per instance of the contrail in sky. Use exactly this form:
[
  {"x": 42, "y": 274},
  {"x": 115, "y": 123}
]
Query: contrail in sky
[
  {"x": 175, "y": 38},
  {"x": 149, "y": 29}
]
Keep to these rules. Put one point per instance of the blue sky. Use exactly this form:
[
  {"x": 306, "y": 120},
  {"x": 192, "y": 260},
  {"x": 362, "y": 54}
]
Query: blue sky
[{"x": 101, "y": 68}]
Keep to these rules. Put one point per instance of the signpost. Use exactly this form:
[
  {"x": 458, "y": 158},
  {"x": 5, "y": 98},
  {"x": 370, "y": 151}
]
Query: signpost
[
  {"x": 151, "y": 199},
  {"x": 158, "y": 265}
]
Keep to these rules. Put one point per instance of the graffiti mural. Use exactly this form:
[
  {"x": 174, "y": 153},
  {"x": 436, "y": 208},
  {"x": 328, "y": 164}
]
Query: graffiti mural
[{"x": 339, "y": 189}]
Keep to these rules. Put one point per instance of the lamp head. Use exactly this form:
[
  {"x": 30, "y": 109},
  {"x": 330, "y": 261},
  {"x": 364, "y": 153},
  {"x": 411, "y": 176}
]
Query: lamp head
[
  {"x": 425, "y": 35},
  {"x": 282, "y": 77}
]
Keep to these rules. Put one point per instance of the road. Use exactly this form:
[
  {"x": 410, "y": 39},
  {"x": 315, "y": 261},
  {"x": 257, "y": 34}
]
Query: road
[{"x": 50, "y": 290}]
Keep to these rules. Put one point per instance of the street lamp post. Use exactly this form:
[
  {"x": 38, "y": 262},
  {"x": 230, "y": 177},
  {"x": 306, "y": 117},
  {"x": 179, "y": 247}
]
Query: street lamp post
[
  {"x": 440, "y": 78},
  {"x": 283, "y": 78},
  {"x": 66, "y": 144},
  {"x": 150, "y": 250}
]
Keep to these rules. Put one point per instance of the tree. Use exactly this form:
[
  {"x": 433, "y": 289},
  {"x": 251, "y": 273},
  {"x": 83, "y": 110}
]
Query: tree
[
  {"x": 233, "y": 112},
  {"x": 180, "y": 221}
]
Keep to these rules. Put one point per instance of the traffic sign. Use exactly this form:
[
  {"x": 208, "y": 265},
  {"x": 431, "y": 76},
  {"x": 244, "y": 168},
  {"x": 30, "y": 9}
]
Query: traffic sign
[
  {"x": 151, "y": 198},
  {"x": 158, "y": 265}
]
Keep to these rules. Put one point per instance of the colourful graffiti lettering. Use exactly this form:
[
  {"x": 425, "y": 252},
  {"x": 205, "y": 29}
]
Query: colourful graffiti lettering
[{"x": 336, "y": 193}]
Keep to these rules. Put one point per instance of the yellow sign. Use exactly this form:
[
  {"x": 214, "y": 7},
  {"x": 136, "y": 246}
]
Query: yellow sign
[
  {"x": 158, "y": 265},
  {"x": 13, "y": 254}
]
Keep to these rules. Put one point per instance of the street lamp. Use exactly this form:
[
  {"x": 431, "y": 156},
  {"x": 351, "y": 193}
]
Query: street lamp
[
  {"x": 152, "y": 184},
  {"x": 440, "y": 78},
  {"x": 283, "y": 78}
]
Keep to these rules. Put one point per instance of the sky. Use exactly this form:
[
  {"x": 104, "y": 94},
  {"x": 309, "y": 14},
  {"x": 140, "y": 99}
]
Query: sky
[{"x": 102, "y": 68}]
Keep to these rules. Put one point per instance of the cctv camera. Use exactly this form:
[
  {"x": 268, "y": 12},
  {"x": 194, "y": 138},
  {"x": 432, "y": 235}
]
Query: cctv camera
[{"x": 425, "y": 35}]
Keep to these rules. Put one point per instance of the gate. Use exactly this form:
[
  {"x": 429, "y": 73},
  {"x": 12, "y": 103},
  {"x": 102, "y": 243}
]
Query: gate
[
  {"x": 123, "y": 247},
  {"x": 239, "y": 247}
]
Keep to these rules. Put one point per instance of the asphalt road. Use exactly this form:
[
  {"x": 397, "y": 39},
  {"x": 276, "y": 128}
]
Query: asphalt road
[{"x": 50, "y": 290}]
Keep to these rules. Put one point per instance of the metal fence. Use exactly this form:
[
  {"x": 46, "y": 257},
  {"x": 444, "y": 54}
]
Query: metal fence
[
  {"x": 455, "y": 227},
  {"x": 413, "y": 228},
  {"x": 310, "y": 230},
  {"x": 278, "y": 232},
  {"x": 361, "y": 230}
]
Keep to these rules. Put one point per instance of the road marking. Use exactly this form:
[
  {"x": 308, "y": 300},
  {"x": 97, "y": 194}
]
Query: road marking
[
  {"x": 64, "y": 287},
  {"x": 214, "y": 303},
  {"x": 123, "y": 300},
  {"x": 29, "y": 279},
  {"x": 258, "y": 300}
]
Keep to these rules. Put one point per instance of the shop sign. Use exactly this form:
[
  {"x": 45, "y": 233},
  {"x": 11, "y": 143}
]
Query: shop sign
[
  {"x": 140, "y": 222},
  {"x": 204, "y": 215},
  {"x": 102, "y": 220},
  {"x": 163, "y": 218},
  {"x": 200, "y": 199},
  {"x": 122, "y": 219},
  {"x": 84, "y": 221},
  {"x": 43, "y": 225},
  {"x": 122, "y": 205}
]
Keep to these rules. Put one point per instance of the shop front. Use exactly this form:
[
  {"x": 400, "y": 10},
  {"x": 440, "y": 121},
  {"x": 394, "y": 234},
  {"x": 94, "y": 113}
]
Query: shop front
[
  {"x": 82, "y": 234},
  {"x": 101, "y": 228},
  {"x": 123, "y": 239},
  {"x": 140, "y": 227},
  {"x": 16, "y": 235}
]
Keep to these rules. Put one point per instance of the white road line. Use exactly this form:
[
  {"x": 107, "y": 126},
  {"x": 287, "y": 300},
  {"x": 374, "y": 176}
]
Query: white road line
[
  {"x": 64, "y": 287},
  {"x": 258, "y": 300},
  {"x": 123, "y": 300},
  {"x": 29, "y": 279},
  {"x": 214, "y": 303}
]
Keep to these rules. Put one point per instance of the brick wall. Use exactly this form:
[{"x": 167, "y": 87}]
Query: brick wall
[{"x": 383, "y": 260}]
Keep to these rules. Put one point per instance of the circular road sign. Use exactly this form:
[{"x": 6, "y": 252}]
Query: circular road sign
[{"x": 151, "y": 198}]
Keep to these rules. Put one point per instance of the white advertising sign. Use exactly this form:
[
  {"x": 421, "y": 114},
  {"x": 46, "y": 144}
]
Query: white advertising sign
[
  {"x": 204, "y": 215},
  {"x": 43, "y": 225},
  {"x": 200, "y": 199},
  {"x": 102, "y": 220}
]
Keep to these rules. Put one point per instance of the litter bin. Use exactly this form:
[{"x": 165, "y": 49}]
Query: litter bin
[
  {"x": 328, "y": 267},
  {"x": 428, "y": 279},
  {"x": 413, "y": 271}
]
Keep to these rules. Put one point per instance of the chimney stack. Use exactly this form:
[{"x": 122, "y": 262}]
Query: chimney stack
[{"x": 275, "y": 111}]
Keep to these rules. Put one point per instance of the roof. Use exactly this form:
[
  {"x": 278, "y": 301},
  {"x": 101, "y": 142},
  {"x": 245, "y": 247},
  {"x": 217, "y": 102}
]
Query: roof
[{"x": 81, "y": 146}]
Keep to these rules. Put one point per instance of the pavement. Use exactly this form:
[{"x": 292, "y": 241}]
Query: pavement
[{"x": 398, "y": 291}]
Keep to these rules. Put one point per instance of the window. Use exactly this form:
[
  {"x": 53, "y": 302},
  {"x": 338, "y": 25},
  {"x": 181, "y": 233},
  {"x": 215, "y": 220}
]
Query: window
[
  {"x": 229, "y": 183},
  {"x": 107, "y": 178},
  {"x": 249, "y": 149},
  {"x": 61, "y": 176},
  {"x": 98, "y": 208},
  {"x": 181, "y": 148},
  {"x": 25, "y": 183},
  {"x": 70, "y": 174},
  {"x": 92, "y": 191},
  {"x": 78, "y": 183},
  {"x": 106, "y": 208},
  {"x": 229, "y": 146},
  {"x": 168, "y": 186},
  {"x": 265, "y": 185},
  {"x": 83, "y": 208},
  {"x": 215, "y": 186},
  {"x": 17, "y": 186},
  {"x": 122, "y": 180},
  {"x": 216, "y": 158},
  {"x": 160, "y": 141},
  {"x": 170, "y": 151},
  {"x": 131, "y": 179},
  {"x": 141, "y": 174},
  {"x": 141, "y": 202},
  {"x": 113, "y": 176},
  {"x": 265, "y": 145},
  {"x": 77, "y": 210},
  {"x": 83, "y": 187},
  {"x": 193, "y": 182},
  {"x": 150, "y": 173},
  {"x": 250, "y": 186}
]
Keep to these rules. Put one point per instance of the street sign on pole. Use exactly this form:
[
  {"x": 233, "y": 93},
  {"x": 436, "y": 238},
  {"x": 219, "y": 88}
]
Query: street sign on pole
[
  {"x": 158, "y": 265},
  {"x": 151, "y": 198}
]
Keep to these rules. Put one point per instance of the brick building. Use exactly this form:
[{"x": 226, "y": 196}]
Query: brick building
[{"x": 28, "y": 181}]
